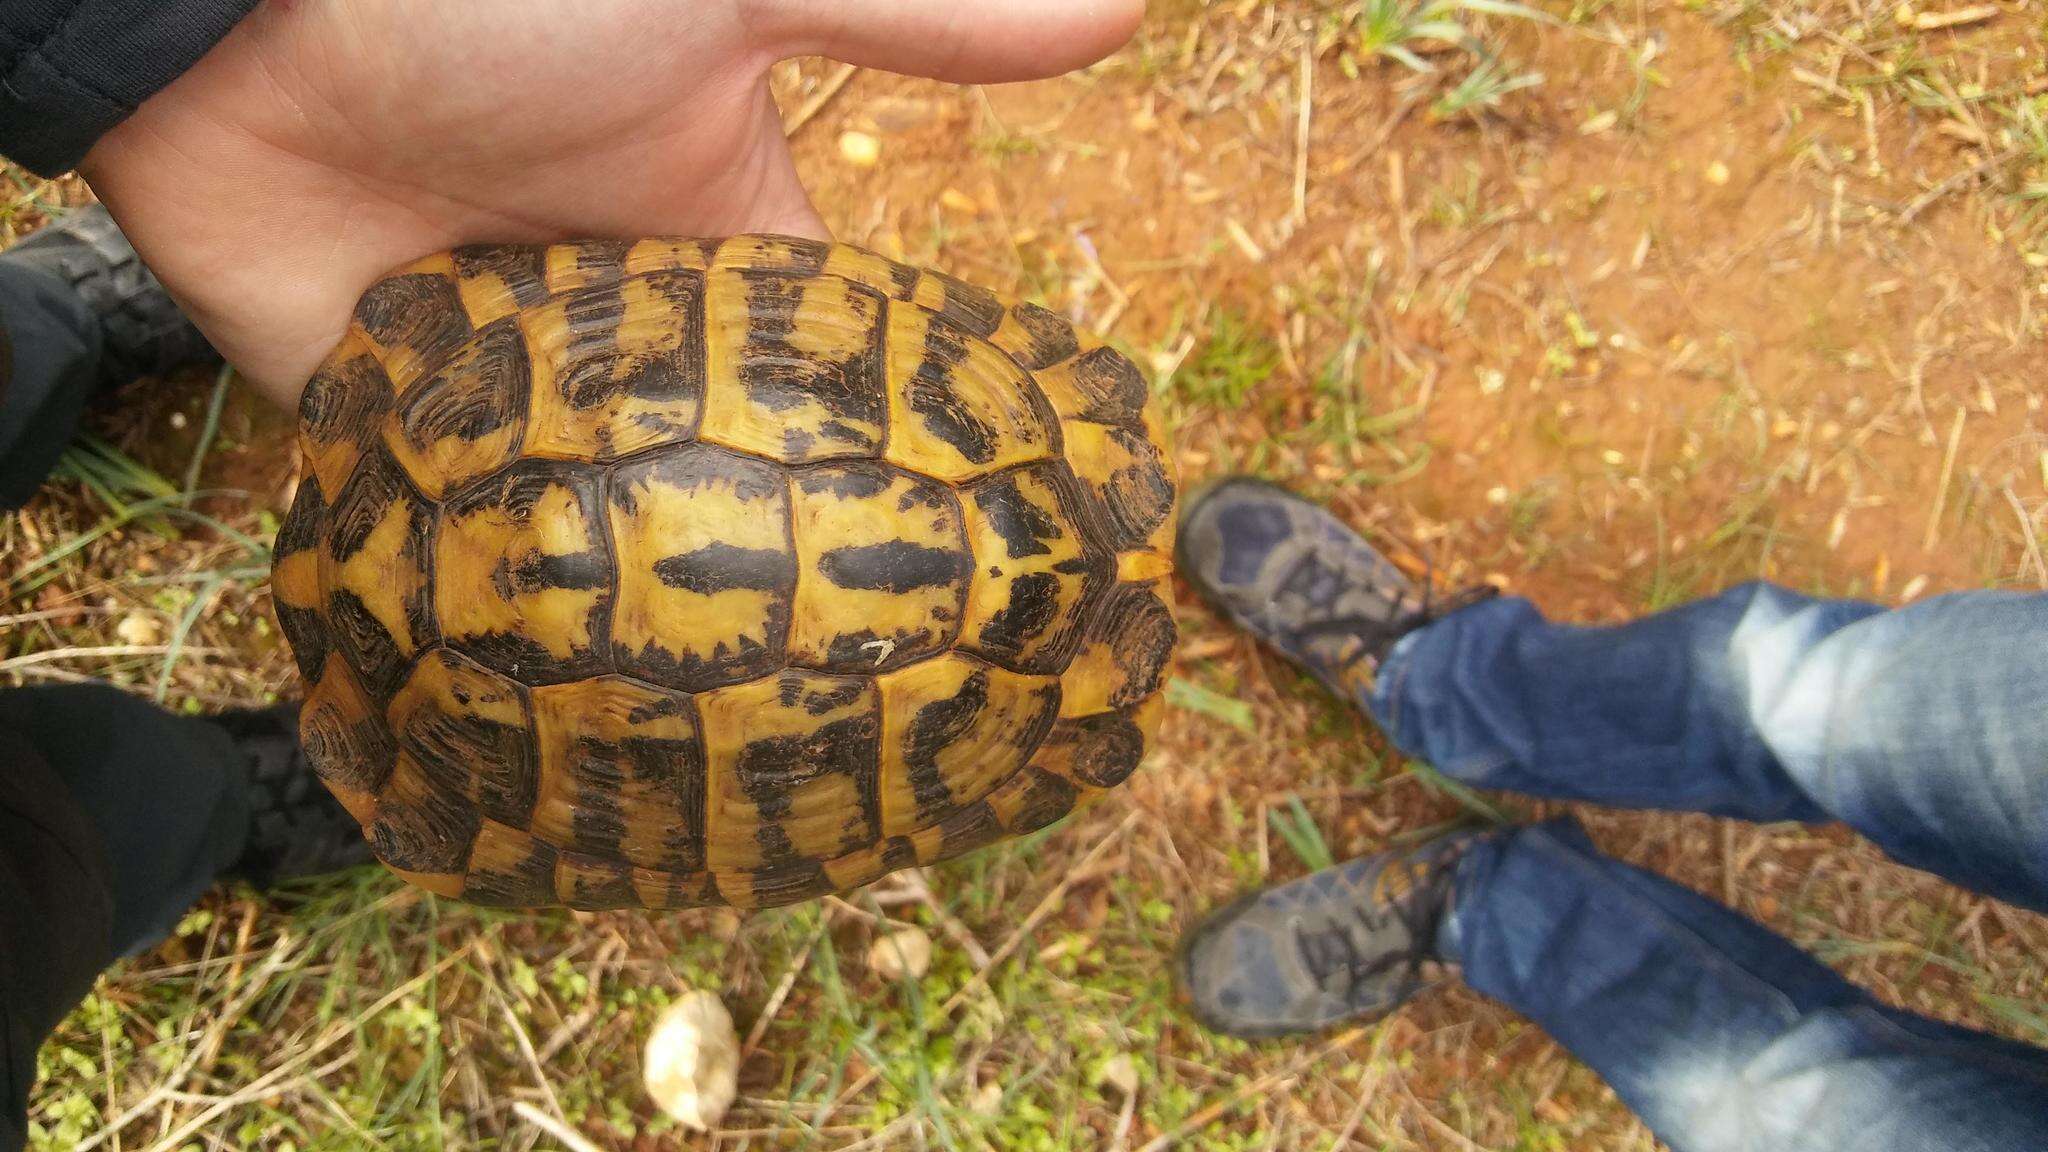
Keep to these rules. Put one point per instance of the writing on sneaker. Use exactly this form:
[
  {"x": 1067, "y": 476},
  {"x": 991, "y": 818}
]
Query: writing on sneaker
[
  {"x": 1300, "y": 580},
  {"x": 1347, "y": 943}
]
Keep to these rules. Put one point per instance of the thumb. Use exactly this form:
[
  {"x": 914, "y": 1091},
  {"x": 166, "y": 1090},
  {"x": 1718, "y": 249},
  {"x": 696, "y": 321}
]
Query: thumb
[{"x": 982, "y": 42}]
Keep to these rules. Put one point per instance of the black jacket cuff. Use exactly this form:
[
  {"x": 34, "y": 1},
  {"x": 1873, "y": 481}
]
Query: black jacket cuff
[{"x": 72, "y": 69}]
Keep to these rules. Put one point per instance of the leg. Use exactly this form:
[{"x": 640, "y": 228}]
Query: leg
[
  {"x": 1720, "y": 1035},
  {"x": 114, "y": 816},
  {"x": 49, "y": 365},
  {"x": 1922, "y": 727}
]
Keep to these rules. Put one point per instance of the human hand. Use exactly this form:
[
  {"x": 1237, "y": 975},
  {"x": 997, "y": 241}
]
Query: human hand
[{"x": 325, "y": 142}]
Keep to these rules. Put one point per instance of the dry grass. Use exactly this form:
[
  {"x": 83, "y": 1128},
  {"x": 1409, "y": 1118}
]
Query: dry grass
[{"x": 1735, "y": 291}]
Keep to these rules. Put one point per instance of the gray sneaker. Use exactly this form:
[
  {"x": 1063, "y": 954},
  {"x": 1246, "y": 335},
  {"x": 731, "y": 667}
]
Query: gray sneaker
[
  {"x": 1348, "y": 943},
  {"x": 1300, "y": 580}
]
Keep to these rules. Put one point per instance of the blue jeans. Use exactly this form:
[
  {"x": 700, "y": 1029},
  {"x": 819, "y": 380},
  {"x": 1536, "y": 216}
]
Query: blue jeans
[{"x": 1924, "y": 728}]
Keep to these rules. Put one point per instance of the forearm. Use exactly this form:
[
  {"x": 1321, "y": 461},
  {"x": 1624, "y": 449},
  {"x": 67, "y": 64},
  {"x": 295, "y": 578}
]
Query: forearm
[{"x": 70, "y": 70}]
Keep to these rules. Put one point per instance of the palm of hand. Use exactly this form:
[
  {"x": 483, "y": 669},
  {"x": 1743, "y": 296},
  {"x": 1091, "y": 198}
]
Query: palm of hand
[{"x": 325, "y": 142}]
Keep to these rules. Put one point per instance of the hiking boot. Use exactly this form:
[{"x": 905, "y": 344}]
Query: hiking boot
[
  {"x": 296, "y": 827},
  {"x": 1300, "y": 580},
  {"x": 1349, "y": 943},
  {"x": 142, "y": 332}
]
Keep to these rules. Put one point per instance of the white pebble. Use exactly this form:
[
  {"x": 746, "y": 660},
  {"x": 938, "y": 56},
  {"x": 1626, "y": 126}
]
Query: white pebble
[
  {"x": 692, "y": 1062},
  {"x": 905, "y": 952}
]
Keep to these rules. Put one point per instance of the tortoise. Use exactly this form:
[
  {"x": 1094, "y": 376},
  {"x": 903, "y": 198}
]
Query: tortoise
[{"x": 681, "y": 572}]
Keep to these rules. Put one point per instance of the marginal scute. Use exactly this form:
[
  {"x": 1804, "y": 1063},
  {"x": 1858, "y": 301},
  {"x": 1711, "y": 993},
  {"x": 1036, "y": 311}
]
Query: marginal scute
[
  {"x": 522, "y": 573},
  {"x": 958, "y": 407},
  {"x": 882, "y": 568},
  {"x": 798, "y": 363},
  {"x": 467, "y": 730},
  {"x": 621, "y": 773},
  {"x": 497, "y": 280},
  {"x": 295, "y": 590},
  {"x": 1130, "y": 482},
  {"x": 707, "y": 574},
  {"x": 1035, "y": 337},
  {"x": 765, "y": 253},
  {"x": 340, "y": 411},
  {"x": 1126, "y": 649},
  {"x": 420, "y": 827},
  {"x": 792, "y": 762},
  {"x": 1032, "y": 799},
  {"x": 589, "y": 264},
  {"x": 345, "y": 738},
  {"x": 968, "y": 307},
  {"x": 1095, "y": 752},
  {"x": 508, "y": 868},
  {"x": 1101, "y": 386}
]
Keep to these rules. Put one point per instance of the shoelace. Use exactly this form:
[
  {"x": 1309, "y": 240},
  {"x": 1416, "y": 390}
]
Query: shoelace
[
  {"x": 1419, "y": 911},
  {"x": 1374, "y": 631}
]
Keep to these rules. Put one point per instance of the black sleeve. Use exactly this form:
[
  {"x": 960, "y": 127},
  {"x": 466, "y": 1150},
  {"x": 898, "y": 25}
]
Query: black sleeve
[{"x": 72, "y": 69}]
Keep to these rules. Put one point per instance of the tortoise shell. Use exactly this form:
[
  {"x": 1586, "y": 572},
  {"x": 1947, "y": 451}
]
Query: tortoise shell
[{"x": 687, "y": 572}]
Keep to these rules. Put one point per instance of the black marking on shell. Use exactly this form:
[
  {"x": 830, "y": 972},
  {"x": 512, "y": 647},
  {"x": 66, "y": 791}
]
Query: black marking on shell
[
  {"x": 528, "y": 883},
  {"x": 971, "y": 306},
  {"x": 1033, "y": 609},
  {"x": 1139, "y": 496},
  {"x": 1140, "y": 629},
  {"x": 363, "y": 640},
  {"x": 596, "y": 882},
  {"x": 931, "y": 397},
  {"x": 514, "y": 492},
  {"x": 1111, "y": 385},
  {"x": 974, "y": 826},
  {"x": 1046, "y": 799},
  {"x": 429, "y": 833},
  {"x": 482, "y": 390},
  {"x": 305, "y": 629},
  {"x": 935, "y": 727},
  {"x": 721, "y": 567},
  {"x": 354, "y": 752},
  {"x": 345, "y": 402},
  {"x": 523, "y": 268},
  {"x": 780, "y": 379},
  {"x": 894, "y": 566},
  {"x": 420, "y": 310},
  {"x": 1102, "y": 751},
  {"x": 1052, "y": 338},
  {"x": 788, "y": 883},
  {"x": 465, "y": 752}
]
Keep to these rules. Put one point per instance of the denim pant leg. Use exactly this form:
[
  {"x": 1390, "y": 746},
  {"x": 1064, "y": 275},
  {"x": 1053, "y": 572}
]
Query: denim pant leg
[
  {"x": 1925, "y": 728},
  {"x": 1722, "y": 1036},
  {"x": 49, "y": 358}
]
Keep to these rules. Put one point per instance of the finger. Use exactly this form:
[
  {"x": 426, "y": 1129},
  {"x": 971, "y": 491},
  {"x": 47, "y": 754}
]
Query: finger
[{"x": 984, "y": 42}]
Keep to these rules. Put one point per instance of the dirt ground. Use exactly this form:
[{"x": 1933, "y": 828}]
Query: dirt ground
[{"x": 1735, "y": 292}]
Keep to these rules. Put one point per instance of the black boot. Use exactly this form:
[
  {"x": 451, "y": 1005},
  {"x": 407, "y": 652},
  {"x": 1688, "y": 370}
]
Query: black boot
[
  {"x": 296, "y": 828},
  {"x": 142, "y": 331}
]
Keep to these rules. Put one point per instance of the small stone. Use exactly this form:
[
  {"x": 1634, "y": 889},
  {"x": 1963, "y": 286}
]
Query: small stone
[
  {"x": 954, "y": 200},
  {"x": 1717, "y": 173},
  {"x": 988, "y": 1100},
  {"x": 900, "y": 954},
  {"x": 1119, "y": 1072},
  {"x": 860, "y": 149},
  {"x": 140, "y": 629},
  {"x": 692, "y": 1061}
]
